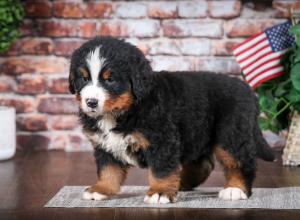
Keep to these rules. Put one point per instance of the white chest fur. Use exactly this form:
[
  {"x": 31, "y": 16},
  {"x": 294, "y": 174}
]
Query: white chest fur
[{"x": 110, "y": 141}]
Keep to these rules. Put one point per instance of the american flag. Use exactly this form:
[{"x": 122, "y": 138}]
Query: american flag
[{"x": 259, "y": 56}]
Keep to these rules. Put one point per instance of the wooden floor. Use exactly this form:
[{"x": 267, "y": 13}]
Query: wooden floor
[{"x": 28, "y": 181}]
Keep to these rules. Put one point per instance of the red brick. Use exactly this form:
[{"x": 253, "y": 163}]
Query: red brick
[
  {"x": 224, "y": 9},
  {"x": 32, "y": 123},
  {"x": 87, "y": 29},
  {"x": 217, "y": 65},
  {"x": 113, "y": 28},
  {"x": 64, "y": 122},
  {"x": 31, "y": 84},
  {"x": 38, "y": 9},
  {"x": 197, "y": 47},
  {"x": 36, "y": 46},
  {"x": 130, "y": 10},
  {"x": 13, "y": 50},
  {"x": 39, "y": 64},
  {"x": 67, "y": 9},
  {"x": 132, "y": 28},
  {"x": 248, "y": 27},
  {"x": 27, "y": 28},
  {"x": 162, "y": 10},
  {"x": 57, "y": 105},
  {"x": 163, "y": 46},
  {"x": 192, "y": 27},
  {"x": 58, "y": 142},
  {"x": 57, "y": 28},
  {"x": 58, "y": 86},
  {"x": 6, "y": 84},
  {"x": 282, "y": 7},
  {"x": 172, "y": 63},
  {"x": 32, "y": 142},
  {"x": 139, "y": 44},
  {"x": 224, "y": 47},
  {"x": 65, "y": 47},
  {"x": 78, "y": 143},
  {"x": 192, "y": 9},
  {"x": 23, "y": 105},
  {"x": 98, "y": 10},
  {"x": 4, "y": 87}
]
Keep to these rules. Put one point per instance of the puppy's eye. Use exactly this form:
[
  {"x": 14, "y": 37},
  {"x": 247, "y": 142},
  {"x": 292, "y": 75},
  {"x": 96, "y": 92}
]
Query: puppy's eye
[
  {"x": 85, "y": 78},
  {"x": 109, "y": 79}
]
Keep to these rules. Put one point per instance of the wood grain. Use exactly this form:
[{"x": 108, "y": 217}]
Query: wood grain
[{"x": 29, "y": 180}]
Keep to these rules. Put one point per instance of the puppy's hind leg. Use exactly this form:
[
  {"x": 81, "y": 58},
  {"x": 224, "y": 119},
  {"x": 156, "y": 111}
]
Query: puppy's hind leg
[
  {"x": 194, "y": 173},
  {"x": 239, "y": 175}
]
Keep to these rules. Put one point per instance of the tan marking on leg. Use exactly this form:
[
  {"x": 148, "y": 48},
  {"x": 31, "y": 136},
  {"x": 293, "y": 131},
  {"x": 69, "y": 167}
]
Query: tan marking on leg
[
  {"x": 225, "y": 158},
  {"x": 111, "y": 177},
  {"x": 235, "y": 179},
  {"x": 120, "y": 103},
  {"x": 233, "y": 175},
  {"x": 165, "y": 186}
]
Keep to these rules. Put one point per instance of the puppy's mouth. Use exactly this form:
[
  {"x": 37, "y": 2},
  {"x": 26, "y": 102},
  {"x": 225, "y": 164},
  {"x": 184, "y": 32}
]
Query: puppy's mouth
[{"x": 92, "y": 112}]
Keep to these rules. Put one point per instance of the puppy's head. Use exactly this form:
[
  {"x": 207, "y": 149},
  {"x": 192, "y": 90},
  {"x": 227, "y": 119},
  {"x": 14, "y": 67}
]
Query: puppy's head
[{"x": 108, "y": 76}]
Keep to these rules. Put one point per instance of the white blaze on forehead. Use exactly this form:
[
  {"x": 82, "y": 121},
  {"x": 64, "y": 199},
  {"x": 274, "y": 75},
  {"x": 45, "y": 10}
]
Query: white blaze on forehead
[
  {"x": 93, "y": 90},
  {"x": 95, "y": 64}
]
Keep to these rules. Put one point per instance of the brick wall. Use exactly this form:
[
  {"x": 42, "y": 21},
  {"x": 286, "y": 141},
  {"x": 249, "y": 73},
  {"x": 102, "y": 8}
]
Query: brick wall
[{"x": 175, "y": 35}]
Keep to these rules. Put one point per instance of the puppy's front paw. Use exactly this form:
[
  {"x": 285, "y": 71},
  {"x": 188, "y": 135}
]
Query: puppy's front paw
[
  {"x": 158, "y": 198},
  {"x": 232, "y": 193},
  {"x": 93, "y": 193}
]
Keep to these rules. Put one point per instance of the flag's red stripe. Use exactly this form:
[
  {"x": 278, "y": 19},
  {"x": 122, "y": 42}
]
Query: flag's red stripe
[
  {"x": 246, "y": 41},
  {"x": 246, "y": 58},
  {"x": 267, "y": 61},
  {"x": 251, "y": 46},
  {"x": 267, "y": 78},
  {"x": 264, "y": 71},
  {"x": 250, "y": 64}
]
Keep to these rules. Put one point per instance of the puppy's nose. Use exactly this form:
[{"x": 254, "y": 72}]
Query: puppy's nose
[{"x": 92, "y": 103}]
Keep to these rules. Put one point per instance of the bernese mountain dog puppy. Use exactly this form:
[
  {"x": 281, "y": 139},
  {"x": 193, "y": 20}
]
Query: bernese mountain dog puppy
[{"x": 174, "y": 124}]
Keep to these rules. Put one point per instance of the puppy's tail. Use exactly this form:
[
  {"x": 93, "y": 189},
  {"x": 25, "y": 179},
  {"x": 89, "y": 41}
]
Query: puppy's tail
[{"x": 264, "y": 151}]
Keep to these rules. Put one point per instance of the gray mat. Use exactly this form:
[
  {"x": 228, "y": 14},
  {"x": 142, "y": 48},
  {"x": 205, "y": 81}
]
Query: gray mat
[{"x": 205, "y": 197}]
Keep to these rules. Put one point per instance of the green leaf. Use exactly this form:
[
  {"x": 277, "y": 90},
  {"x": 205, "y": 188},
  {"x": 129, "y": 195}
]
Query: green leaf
[
  {"x": 297, "y": 107},
  {"x": 294, "y": 95},
  {"x": 295, "y": 29},
  {"x": 298, "y": 40},
  {"x": 295, "y": 76},
  {"x": 283, "y": 88},
  {"x": 297, "y": 56},
  {"x": 11, "y": 16},
  {"x": 265, "y": 102},
  {"x": 263, "y": 123}
]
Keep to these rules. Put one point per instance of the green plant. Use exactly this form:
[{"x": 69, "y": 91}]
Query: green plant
[
  {"x": 11, "y": 15},
  {"x": 280, "y": 96}
]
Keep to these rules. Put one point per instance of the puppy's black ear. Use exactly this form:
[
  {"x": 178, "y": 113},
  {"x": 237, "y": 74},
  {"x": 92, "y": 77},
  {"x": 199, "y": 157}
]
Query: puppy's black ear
[
  {"x": 72, "y": 82},
  {"x": 141, "y": 78}
]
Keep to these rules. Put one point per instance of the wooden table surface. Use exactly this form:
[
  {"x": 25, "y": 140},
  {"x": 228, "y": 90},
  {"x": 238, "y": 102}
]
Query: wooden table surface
[{"x": 32, "y": 178}]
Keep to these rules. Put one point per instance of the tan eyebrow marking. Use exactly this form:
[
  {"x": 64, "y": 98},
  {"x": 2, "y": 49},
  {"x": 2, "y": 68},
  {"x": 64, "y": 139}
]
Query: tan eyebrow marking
[
  {"x": 106, "y": 74},
  {"x": 84, "y": 72}
]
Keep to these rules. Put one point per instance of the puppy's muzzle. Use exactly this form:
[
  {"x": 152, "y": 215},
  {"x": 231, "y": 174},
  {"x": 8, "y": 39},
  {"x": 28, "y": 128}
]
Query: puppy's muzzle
[{"x": 92, "y": 103}]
